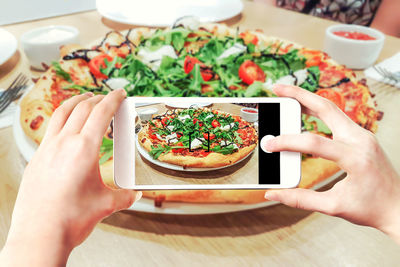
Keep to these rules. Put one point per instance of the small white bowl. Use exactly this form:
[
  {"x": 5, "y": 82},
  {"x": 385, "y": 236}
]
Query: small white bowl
[
  {"x": 355, "y": 54},
  {"x": 147, "y": 114},
  {"x": 249, "y": 116},
  {"x": 42, "y": 45}
]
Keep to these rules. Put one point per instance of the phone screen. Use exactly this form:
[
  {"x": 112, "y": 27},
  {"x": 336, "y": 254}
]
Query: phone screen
[{"x": 205, "y": 143}]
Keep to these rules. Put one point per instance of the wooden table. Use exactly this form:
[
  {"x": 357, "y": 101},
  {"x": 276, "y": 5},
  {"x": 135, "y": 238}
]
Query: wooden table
[
  {"x": 269, "y": 236},
  {"x": 244, "y": 172}
]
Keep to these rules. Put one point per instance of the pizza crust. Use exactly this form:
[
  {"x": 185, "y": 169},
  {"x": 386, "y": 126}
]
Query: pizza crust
[{"x": 314, "y": 171}]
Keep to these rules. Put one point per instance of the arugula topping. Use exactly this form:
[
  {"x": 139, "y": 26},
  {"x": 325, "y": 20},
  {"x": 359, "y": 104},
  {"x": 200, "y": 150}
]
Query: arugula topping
[
  {"x": 106, "y": 150},
  {"x": 309, "y": 122},
  {"x": 312, "y": 82},
  {"x": 60, "y": 72}
]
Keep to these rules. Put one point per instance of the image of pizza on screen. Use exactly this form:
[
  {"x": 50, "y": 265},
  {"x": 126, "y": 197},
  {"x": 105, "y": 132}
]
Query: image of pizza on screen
[
  {"x": 211, "y": 60},
  {"x": 204, "y": 138}
]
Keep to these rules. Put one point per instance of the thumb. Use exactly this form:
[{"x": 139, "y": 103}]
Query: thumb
[{"x": 305, "y": 199}]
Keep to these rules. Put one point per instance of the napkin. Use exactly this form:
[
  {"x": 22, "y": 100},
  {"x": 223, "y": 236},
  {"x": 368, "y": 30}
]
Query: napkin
[
  {"x": 391, "y": 64},
  {"x": 7, "y": 116}
]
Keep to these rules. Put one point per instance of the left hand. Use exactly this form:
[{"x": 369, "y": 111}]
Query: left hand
[{"x": 62, "y": 196}]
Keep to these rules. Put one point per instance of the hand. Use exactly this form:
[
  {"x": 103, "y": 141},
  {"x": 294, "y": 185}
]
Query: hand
[
  {"x": 62, "y": 196},
  {"x": 370, "y": 193}
]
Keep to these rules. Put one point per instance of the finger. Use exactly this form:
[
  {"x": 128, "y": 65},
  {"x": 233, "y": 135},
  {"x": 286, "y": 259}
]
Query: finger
[
  {"x": 101, "y": 115},
  {"x": 61, "y": 114},
  {"x": 80, "y": 114},
  {"x": 124, "y": 198},
  {"x": 309, "y": 144},
  {"x": 305, "y": 199},
  {"x": 317, "y": 106}
]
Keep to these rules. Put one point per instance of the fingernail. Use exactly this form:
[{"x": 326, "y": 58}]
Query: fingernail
[
  {"x": 122, "y": 90},
  {"x": 139, "y": 195},
  {"x": 271, "y": 195},
  {"x": 267, "y": 143},
  {"x": 89, "y": 94}
]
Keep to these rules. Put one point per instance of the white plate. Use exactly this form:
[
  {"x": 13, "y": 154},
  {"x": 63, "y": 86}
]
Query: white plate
[
  {"x": 161, "y": 13},
  {"x": 147, "y": 156},
  {"x": 8, "y": 45},
  {"x": 27, "y": 148},
  {"x": 186, "y": 105}
]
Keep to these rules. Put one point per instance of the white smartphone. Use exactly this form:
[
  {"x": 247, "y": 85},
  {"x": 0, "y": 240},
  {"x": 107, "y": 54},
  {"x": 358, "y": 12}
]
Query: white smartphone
[{"x": 204, "y": 143}]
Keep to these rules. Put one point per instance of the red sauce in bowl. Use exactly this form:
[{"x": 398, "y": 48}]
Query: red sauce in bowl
[
  {"x": 354, "y": 35},
  {"x": 250, "y": 110}
]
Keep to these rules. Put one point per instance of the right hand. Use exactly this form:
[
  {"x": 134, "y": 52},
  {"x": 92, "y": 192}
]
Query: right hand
[{"x": 370, "y": 193}]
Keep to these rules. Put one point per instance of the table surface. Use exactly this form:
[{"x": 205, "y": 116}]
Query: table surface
[
  {"x": 275, "y": 235},
  {"x": 243, "y": 172}
]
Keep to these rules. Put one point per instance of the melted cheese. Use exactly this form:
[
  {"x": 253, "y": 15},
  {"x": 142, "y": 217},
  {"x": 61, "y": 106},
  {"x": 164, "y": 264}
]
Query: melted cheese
[
  {"x": 196, "y": 143},
  {"x": 172, "y": 138},
  {"x": 235, "y": 49},
  {"x": 153, "y": 58},
  {"x": 227, "y": 127},
  {"x": 183, "y": 118},
  {"x": 117, "y": 83}
]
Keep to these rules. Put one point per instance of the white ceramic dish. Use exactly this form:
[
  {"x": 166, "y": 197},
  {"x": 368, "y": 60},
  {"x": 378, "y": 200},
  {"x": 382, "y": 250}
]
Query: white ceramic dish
[
  {"x": 161, "y": 13},
  {"x": 8, "y": 45},
  {"x": 41, "y": 48},
  {"x": 249, "y": 116},
  {"x": 146, "y": 114},
  {"x": 355, "y": 54}
]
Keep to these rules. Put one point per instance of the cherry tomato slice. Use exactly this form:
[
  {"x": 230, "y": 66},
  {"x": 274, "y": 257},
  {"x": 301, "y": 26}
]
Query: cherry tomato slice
[
  {"x": 215, "y": 123},
  {"x": 153, "y": 136},
  {"x": 250, "y": 72},
  {"x": 189, "y": 63},
  {"x": 205, "y": 135},
  {"x": 164, "y": 121},
  {"x": 207, "y": 74},
  {"x": 333, "y": 96},
  {"x": 178, "y": 150},
  {"x": 97, "y": 62}
]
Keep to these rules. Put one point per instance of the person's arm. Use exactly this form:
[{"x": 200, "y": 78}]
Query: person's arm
[
  {"x": 62, "y": 197},
  {"x": 370, "y": 193},
  {"x": 387, "y": 18}
]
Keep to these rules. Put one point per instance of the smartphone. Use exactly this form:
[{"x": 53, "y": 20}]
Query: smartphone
[{"x": 204, "y": 143}]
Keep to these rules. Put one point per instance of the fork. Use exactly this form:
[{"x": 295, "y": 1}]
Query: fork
[
  {"x": 394, "y": 77},
  {"x": 12, "y": 92}
]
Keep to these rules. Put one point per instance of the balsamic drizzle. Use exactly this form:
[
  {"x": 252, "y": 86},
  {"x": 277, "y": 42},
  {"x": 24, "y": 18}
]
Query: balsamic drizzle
[
  {"x": 344, "y": 80},
  {"x": 80, "y": 53}
]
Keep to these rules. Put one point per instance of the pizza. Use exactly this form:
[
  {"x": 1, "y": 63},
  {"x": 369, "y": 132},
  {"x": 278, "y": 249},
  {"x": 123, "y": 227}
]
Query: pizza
[
  {"x": 198, "y": 137},
  {"x": 207, "y": 60}
]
